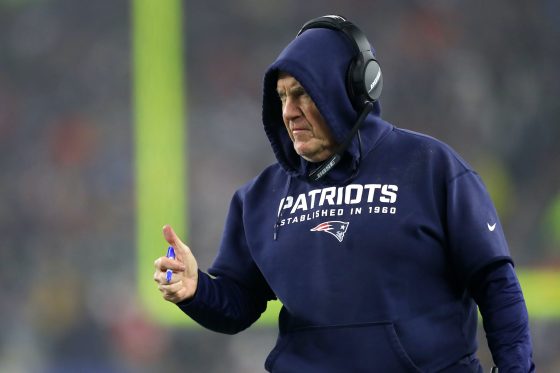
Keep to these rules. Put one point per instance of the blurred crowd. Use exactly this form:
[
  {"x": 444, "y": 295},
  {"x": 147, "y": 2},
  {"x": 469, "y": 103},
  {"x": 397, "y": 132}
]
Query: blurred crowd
[{"x": 481, "y": 76}]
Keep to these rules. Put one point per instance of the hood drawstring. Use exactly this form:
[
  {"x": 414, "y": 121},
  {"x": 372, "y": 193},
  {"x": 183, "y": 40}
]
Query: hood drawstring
[{"x": 281, "y": 211}]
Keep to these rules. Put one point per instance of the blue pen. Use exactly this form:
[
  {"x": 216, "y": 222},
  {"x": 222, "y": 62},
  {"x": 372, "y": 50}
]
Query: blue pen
[{"x": 170, "y": 254}]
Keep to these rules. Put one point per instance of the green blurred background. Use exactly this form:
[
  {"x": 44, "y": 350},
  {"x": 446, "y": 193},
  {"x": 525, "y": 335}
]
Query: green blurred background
[{"x": 117, "y": 117}]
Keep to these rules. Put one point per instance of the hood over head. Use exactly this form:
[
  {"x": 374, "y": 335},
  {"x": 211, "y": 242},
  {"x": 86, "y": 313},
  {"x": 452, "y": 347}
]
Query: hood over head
[{"x": 319, "y": 59}]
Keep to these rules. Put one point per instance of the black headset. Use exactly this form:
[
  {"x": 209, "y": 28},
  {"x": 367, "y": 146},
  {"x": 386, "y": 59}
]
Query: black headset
[{"x": 364, "y": 81}]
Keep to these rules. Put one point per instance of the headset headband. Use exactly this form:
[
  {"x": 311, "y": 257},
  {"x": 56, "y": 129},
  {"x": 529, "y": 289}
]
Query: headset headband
[{"x": 339, "y": 23}]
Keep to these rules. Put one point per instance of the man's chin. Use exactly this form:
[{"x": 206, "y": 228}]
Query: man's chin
[{"x": 311, "y": 156}]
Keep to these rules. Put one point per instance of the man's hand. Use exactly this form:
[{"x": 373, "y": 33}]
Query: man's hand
[{"x": 185, "y": 270}]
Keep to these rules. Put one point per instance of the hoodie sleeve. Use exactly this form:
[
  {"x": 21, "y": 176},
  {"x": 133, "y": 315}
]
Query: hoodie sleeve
[
  {"x": 481, "y": 260},
  {"x": 475, "y": 236},
  {"x": 498, "y": 294},
  {"x": 236, "y": 294}
]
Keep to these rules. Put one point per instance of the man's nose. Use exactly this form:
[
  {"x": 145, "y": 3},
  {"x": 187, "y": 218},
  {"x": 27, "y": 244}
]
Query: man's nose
[{"x": 291, "y": 109}]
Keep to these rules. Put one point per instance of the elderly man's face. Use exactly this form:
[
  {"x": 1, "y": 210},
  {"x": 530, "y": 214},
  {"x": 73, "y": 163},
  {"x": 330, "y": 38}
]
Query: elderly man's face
[{"x": 306, "y": 126}]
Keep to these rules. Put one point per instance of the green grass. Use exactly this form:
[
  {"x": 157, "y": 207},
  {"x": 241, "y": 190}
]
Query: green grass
[
  {"x": 159, "y": 140},
  {"x": 541, "y": 289}
]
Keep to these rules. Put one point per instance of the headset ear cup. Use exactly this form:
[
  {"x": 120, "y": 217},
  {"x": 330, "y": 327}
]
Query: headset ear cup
[{"x": 364, "y": 80}]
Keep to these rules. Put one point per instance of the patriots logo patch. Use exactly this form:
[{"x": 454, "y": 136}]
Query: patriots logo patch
[{"x": 335, "y": 228}]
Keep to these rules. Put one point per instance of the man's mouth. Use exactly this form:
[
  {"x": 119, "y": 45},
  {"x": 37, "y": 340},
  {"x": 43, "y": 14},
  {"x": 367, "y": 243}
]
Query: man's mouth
[{"x": 300, "y": 127}]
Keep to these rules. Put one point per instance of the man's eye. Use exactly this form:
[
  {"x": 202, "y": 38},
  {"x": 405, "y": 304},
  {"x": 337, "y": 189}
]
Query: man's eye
[{"x": 300, "y": 93}]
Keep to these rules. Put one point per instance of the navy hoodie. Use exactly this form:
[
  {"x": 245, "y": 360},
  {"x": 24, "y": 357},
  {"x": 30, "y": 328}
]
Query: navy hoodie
[{"x": 374, "y": 263}]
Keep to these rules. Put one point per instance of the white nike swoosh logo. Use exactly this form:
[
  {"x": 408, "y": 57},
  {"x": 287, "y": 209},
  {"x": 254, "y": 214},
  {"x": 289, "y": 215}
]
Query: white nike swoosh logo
[{"x": 491, "y": 227}]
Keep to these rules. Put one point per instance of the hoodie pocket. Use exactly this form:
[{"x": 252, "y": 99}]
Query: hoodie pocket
[{"x": 368, "y": 347}]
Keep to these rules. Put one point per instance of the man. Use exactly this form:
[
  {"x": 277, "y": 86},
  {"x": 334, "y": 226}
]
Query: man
[{"x": 377, "y": 241}]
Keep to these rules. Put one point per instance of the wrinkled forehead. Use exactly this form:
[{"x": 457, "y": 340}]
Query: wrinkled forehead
[
  {"x": 286, "y": 80},
  {"x": 286, "y": 83}
]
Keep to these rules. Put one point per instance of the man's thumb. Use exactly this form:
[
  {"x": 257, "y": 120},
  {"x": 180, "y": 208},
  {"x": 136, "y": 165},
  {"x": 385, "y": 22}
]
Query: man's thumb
[
  {"x": 172, "y": 238},
  {"x": 182, "y": 252}
]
